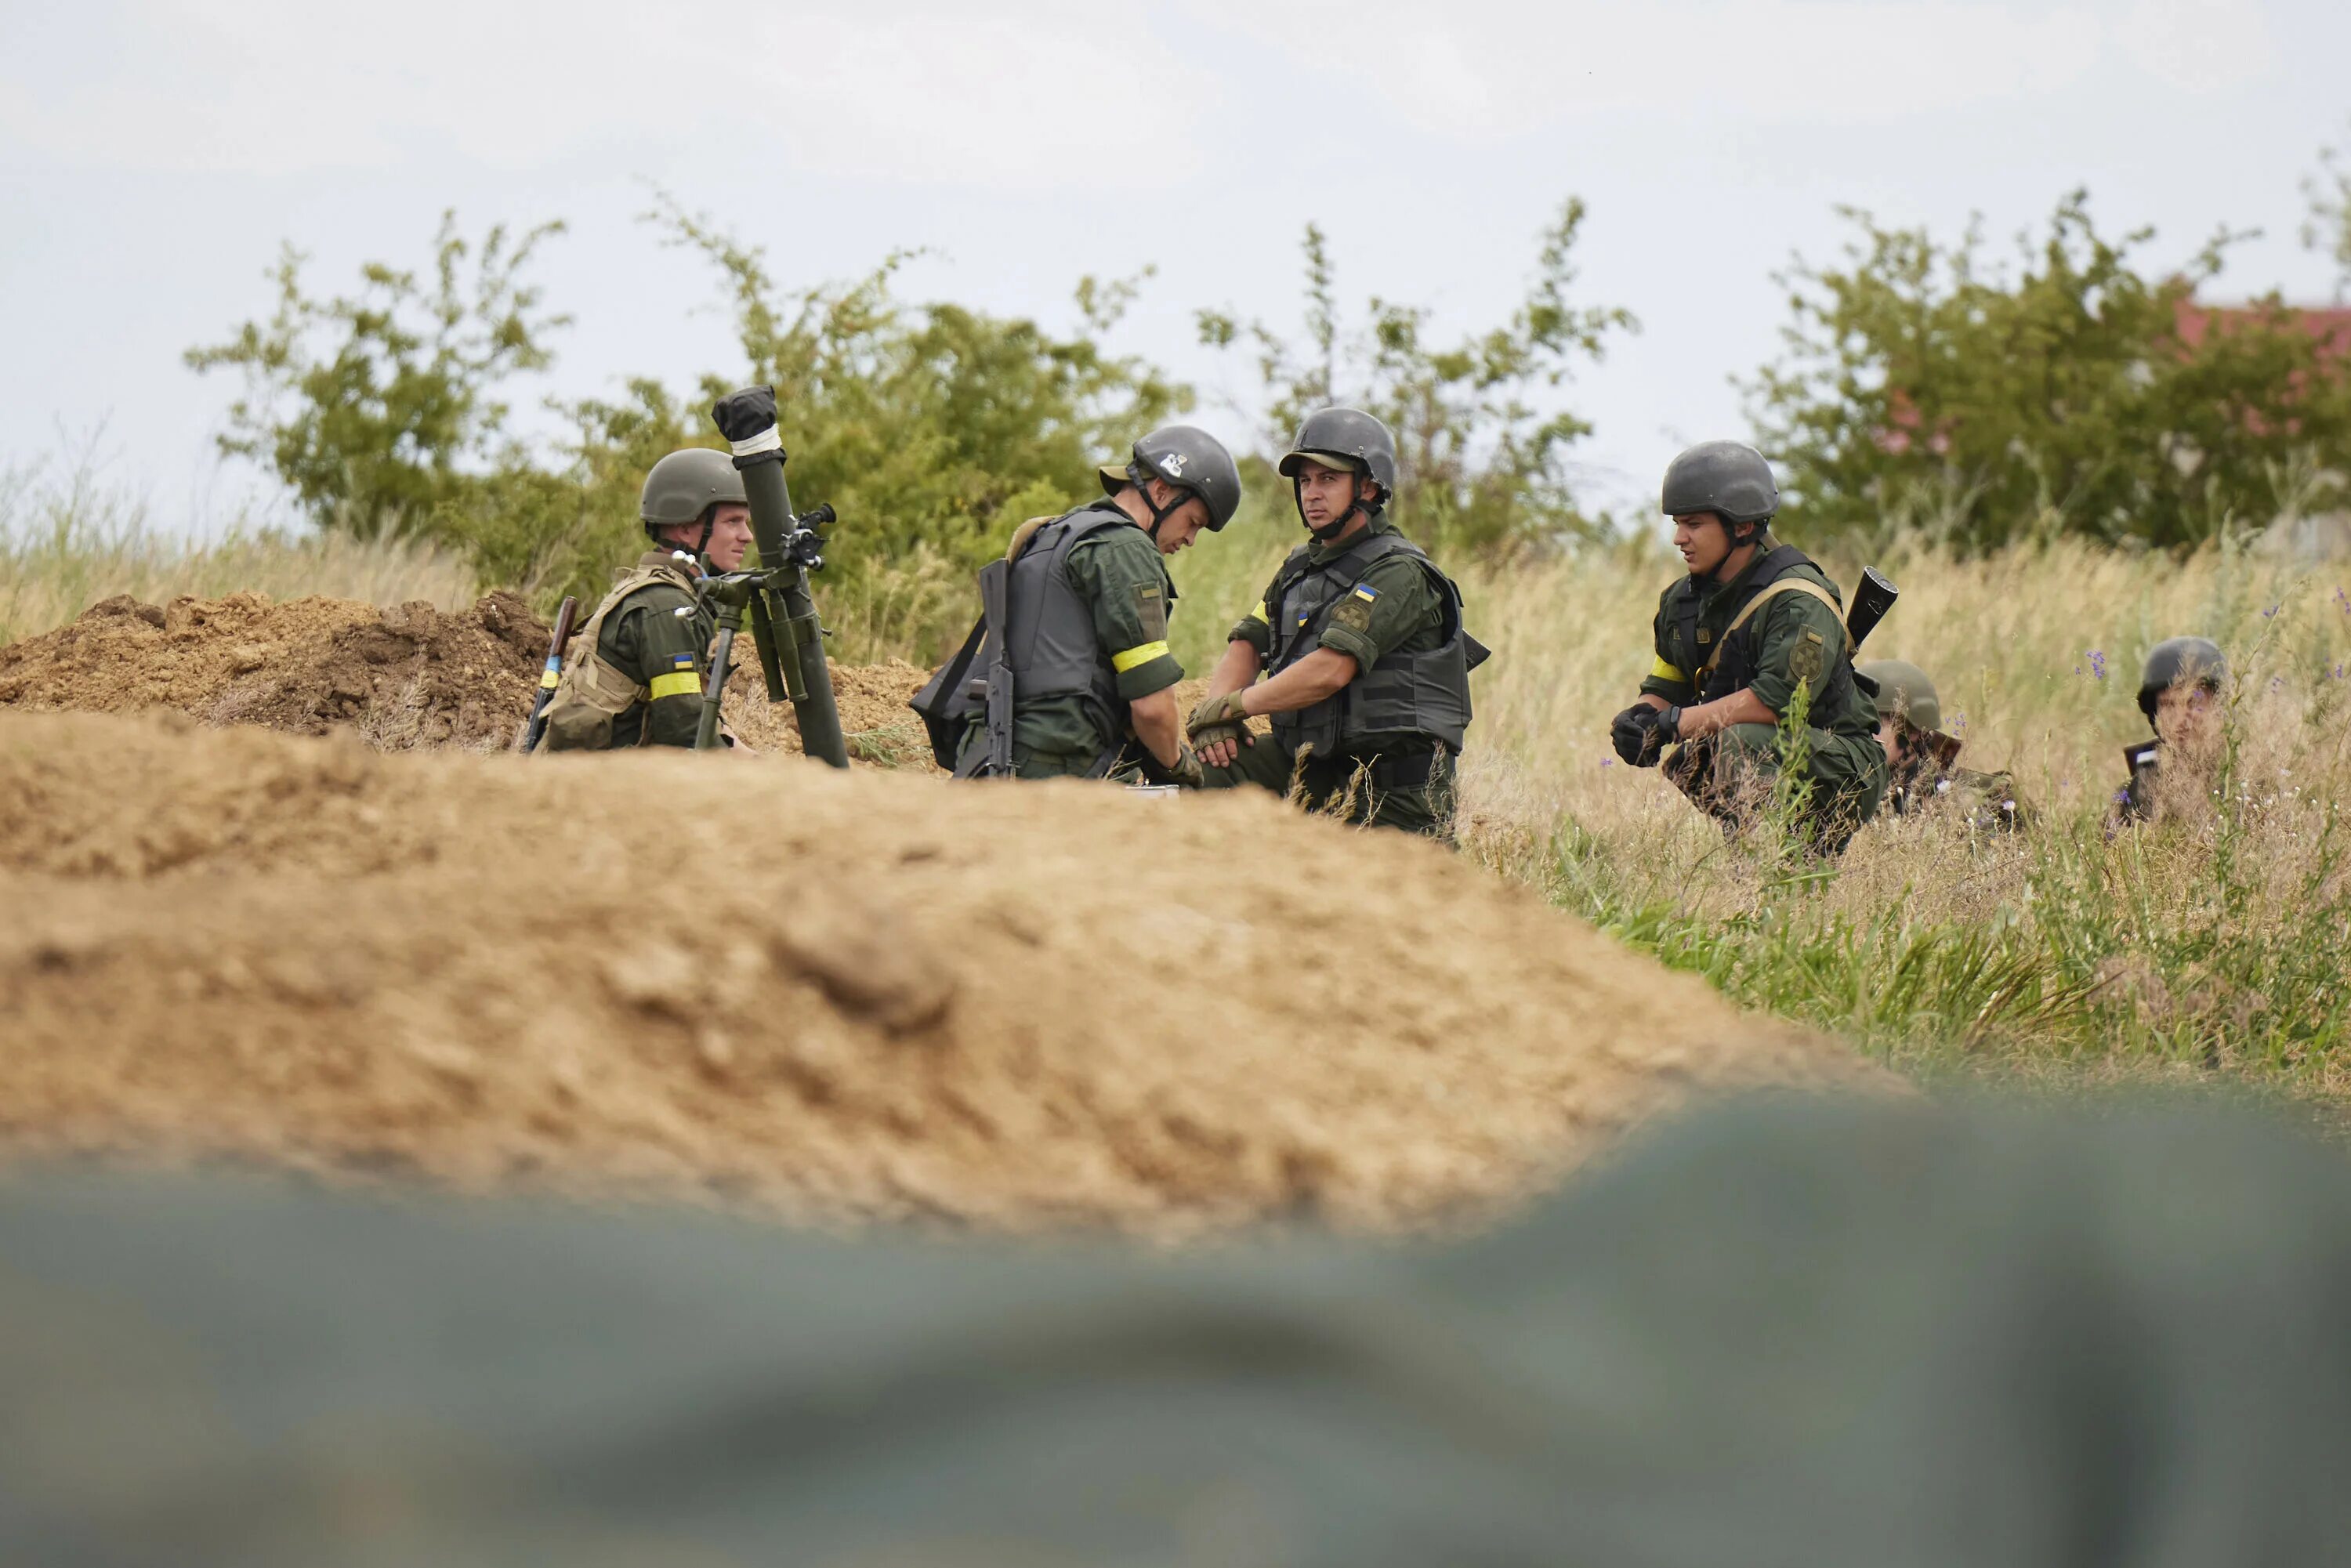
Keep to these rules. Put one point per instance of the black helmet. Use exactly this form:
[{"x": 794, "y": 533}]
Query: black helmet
[
  {"x": 2180, "y": 660},
  {"x": 1190, "y": 459},
  {"x": 1345, "y": 438},
  {"x": 1728, "y": 479}
]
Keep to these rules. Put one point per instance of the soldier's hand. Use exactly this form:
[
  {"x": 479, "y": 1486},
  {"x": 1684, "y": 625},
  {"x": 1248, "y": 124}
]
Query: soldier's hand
[
  {"x": 1219, "y": 728},
  {"x": 1224, "y": 716},
  {"x": 1634, "y": 735},
  {"x": 1186, "y": 769}
]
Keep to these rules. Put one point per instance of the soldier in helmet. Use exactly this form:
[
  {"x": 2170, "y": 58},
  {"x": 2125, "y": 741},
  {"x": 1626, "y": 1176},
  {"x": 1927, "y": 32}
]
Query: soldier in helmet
[
  {"x": 1752, "y": 622},
  {"x": 1086, "y": 597},
  {"x": 1360, "y": 636},
  {"x": 1923, "y": 760},
  {"x": 637, "y": 666},
  {"x": 2180, "y": 692}
]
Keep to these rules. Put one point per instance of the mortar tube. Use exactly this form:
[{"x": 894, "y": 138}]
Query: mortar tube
[{"x": 771, "y": 526}]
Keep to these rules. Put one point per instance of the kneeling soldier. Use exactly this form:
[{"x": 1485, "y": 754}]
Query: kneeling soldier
[
  {"x": 1922, "y": 760},
  {"x": 1369, "y": 685},
  {"x": 1753, "y": 621},
  {"x": 1070, "y": 657},
  {"x": 2180, "y": 692},
  {"x": 636, "y": 669}
]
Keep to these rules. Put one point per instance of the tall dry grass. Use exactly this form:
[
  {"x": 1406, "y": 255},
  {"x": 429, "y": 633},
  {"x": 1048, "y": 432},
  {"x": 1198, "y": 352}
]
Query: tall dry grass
[
  {"x": 66, "y": 542},
  {"x": 2214, "y": 940}
]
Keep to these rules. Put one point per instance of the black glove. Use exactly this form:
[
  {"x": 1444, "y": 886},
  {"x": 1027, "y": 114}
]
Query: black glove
[
  {"x": 1642, "y": 733},
  {"x": 1629, "y": 733}
]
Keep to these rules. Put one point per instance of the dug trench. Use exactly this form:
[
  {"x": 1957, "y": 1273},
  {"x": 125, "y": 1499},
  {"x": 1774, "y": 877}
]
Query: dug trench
[{"x": 833, "y": 995}]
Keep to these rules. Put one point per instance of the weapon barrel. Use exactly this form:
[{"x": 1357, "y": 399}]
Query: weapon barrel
[
  {"x": 564, "y": 617},
  {"x": 748, "y": 419},
  {"x": 1871, "y": 601}
]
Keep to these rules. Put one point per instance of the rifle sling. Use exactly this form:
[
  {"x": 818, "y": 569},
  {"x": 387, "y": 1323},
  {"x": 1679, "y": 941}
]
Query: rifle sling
[{"x": 1747, "y": 613}]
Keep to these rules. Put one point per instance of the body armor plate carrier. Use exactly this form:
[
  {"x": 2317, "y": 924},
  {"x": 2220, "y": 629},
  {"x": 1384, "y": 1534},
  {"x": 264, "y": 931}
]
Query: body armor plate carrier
[
  {"x": 1424, "y": 695},
  {"x": 1731, "y": 665},
  {"x": 591, "y": 692},
  {"x": 1036, "y": 639}
]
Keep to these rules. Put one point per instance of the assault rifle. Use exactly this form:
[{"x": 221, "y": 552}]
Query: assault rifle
[
  {"x": 773, "y": 595},
  {"x": 536, "y": 727}
]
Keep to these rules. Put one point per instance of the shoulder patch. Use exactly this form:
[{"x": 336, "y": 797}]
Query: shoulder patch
[
  {"x": 1151, "y": 610},
  {"x": 1804, "y": 660}
]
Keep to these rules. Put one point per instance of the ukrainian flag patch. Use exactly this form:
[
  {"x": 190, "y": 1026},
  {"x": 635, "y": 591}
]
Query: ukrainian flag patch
[
  {"x": 1366, "y": 592},
  {"x": 681, "y": 661}
]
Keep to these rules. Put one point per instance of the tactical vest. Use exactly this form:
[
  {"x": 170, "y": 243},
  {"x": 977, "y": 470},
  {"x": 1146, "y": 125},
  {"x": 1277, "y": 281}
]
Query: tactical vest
[
  {"x": 1047, "y": 639},
  {"x": 1424, "y": 695},
  {"x": 593, "y": 692},
  {"x": 1731, "y": 665}
]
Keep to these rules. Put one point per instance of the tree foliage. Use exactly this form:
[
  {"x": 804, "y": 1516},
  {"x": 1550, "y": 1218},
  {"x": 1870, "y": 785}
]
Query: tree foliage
[
  {"x": 377, "y": 408},
  {"x": 1483, "y": 448},
  {"x": 932, "y": 425},
  {"x": 1920, "y": 384}
]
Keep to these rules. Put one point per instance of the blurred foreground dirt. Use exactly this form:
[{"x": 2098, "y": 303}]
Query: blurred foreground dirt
[{"x": 835, "y": 995}]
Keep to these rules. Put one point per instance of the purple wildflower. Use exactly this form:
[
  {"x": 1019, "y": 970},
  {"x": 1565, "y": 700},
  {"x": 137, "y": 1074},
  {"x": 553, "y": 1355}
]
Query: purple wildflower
[{"x": 2098, "y": 663}]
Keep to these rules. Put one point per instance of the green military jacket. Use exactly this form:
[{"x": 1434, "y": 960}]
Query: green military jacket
[
  {"x": 1797, "y": 640},
  {"x": 640, "y": 681}
]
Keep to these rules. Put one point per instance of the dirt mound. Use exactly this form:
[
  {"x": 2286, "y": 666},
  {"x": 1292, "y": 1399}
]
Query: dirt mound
[
  {"x": 836, "y": 994},
  {"x": 412, "y": 676},
  {"x": 400, "y": 679},
  {"x": 873, "y": 702}
]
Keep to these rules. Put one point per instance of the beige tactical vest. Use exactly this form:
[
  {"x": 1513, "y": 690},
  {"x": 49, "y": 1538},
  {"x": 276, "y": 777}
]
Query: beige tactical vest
[{"x": 593, "y": 692}]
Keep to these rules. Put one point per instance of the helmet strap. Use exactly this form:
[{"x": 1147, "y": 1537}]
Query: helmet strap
[
  {"x": 1331, "y": 530},
  {"x": 1160, "y": 514}
]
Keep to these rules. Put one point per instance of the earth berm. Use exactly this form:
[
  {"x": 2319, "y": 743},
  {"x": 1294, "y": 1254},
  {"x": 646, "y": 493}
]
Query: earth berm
[{"x": 833, "y": 995}]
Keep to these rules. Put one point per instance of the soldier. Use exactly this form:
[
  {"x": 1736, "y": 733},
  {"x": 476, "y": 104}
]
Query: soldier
[
  {"x": 635, "y": 676},
  {"x": 2180, "y": 692},
  {"x": 1086, "y": 595},
  {"x": 1368, "y": 689},
  {"x": 1921, "y": 760},
  {"x": 1753, "y": 621}
]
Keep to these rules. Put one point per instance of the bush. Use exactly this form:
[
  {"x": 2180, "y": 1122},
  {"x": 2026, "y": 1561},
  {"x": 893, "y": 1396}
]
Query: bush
[
  {"x": 1483, "y": 464},
  {"x": 1923, "y": 386}
]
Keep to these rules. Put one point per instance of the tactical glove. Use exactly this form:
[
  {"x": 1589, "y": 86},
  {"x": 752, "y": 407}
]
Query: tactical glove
[
  {"x": 1186, "y": 769},
  {"x": 1630, "y": 734},
  {"x": 1218, "y": 719}
]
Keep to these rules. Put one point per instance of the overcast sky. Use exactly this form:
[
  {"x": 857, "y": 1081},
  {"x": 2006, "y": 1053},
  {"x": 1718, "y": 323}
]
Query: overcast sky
[{"x": 152, "y": 156}]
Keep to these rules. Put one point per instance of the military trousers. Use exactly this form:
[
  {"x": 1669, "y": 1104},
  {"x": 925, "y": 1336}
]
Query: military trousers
[
  {"x": 1413, "y": 793},
  {"x": 1730, "y": 775}
]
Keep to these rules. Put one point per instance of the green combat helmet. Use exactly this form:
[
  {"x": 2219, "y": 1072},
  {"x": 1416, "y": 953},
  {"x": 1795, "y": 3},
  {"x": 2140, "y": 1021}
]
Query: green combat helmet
[
  {"x": 683, "y": 487},
  {"x": 2177, "y": 660},
  {"x": 1904, "y": 692}
]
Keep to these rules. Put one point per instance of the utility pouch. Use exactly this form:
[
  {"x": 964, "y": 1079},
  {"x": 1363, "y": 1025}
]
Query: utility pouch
[{"x": 944, "y": 705}]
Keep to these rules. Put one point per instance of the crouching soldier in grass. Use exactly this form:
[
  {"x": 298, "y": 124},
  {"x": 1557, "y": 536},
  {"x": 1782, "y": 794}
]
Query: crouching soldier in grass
[
  {"x": 1755, "y": 623},
  {"x": 1067, "y": 673},
  {"x": 1368, "y": 690},
  {"x": 1923, "y": 761},
  {"x": 637, "y": 668},
  {"x": 2180, "y": 692}
]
